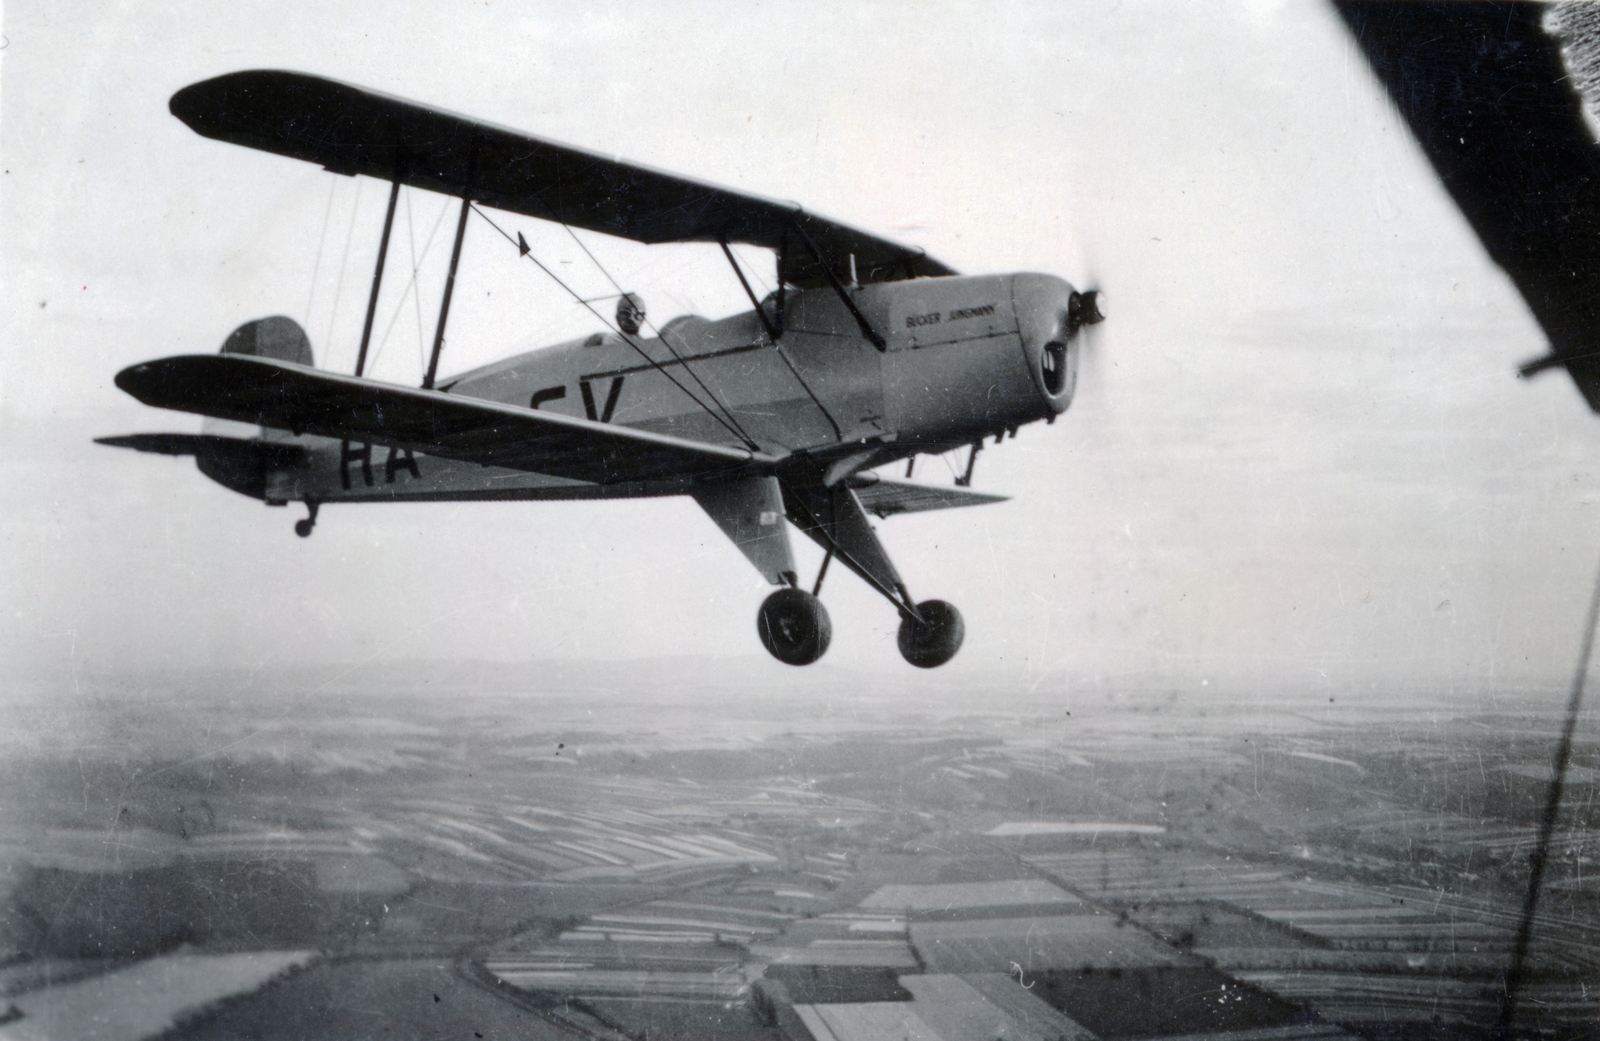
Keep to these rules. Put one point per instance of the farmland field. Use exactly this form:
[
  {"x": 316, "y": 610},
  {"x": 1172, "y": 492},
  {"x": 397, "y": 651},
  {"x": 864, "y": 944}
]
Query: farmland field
[{"x": 467, "y": 866}]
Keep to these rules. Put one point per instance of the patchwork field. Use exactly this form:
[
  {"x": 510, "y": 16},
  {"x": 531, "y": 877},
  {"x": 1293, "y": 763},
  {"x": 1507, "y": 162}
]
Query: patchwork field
[{"x": 544, "y": 862}]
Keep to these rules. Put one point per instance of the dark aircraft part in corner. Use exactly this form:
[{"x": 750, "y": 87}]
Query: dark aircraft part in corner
[
  {"x": 276, "y": 337},
  {"x": 933, "y": 641},
  {"x": 1489, "y": 95},
  {"x": 794, "y": 627}
]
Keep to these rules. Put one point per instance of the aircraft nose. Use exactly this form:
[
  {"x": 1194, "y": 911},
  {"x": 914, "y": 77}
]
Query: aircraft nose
[
  {"x": 1083, "y": 308},
  {"x": 1051, "y": 316}
]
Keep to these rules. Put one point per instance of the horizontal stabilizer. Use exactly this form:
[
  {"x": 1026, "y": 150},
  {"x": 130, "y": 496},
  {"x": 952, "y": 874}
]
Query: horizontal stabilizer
[
  {"x": 293, "y": 397},
  {"x": 269, "y": 453},
  {"x": 886, "y": 497},
  {"x": 352, "y": 130}
]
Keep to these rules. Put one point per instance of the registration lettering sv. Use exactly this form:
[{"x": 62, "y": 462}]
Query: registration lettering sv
[{"x": 586, "y": 389}]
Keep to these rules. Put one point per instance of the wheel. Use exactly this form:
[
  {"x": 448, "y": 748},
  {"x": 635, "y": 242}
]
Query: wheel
[
  {"x": 935, "y": 640},
  {"x": 794, "y": 627},
  {"x": 302, "y": 528}
]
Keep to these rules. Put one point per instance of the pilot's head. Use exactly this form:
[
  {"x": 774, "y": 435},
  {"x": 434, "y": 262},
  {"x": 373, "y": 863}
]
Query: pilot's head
[{"x": 630, "y": 313}]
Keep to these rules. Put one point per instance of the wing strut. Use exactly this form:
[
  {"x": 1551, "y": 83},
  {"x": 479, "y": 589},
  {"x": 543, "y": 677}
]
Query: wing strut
[
  {"x": 773, "y": 333},
  {"x": 838, "y": 287},
  {"x": 766, "y": 323},
  {"x": 449, "y": 290},
  {"x": 467, "y": 189},
  {"x": 377, "y": 275}
]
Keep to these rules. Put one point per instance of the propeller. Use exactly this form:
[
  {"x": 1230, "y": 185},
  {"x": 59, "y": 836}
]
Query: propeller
[
  {"x": 1085, "y": 310},
  {"x": 1085, "y": 307},
  {"x": 1062, "y": 353}
]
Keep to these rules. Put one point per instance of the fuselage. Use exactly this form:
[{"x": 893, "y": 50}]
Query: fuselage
[{"x": 963, "y": 358}]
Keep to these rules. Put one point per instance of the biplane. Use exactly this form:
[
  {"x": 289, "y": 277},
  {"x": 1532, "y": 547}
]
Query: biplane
[{"x": 866, "y": 354}]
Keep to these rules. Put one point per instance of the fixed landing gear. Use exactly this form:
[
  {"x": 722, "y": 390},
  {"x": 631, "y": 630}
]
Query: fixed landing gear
[
  {"x": 794, "y": 627},
  {"x": 303, "y": 527},
  {"x": 934, "y": 640}
]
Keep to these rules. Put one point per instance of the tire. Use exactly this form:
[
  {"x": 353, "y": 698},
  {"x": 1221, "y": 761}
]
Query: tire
[
  {"x": 931, "y": 643},
  {"x": 794, "y": 627}
]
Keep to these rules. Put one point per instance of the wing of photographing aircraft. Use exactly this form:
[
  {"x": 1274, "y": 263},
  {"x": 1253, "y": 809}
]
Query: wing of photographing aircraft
[
  {"x": 1492, "y": 93},
  {"x": 288, "y": 396},
  {"x": 351, "y": 130},
  {"x": 1487, "y": 94}
]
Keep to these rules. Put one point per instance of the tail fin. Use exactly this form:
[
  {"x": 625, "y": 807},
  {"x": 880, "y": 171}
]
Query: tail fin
[{"x": 276, "y": 337}]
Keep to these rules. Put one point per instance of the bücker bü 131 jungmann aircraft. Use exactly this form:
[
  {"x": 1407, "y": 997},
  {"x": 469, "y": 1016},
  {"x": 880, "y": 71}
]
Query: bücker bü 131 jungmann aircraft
[{"x": 867, "y": 353}]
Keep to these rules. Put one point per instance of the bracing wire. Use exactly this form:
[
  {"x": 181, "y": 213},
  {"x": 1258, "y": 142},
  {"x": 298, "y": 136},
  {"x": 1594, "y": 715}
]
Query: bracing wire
[
  {"x": 322, "y": 240},
  {"x": 733, "y": 429},
  {"x": 1547, "y": 824},
  {"x": 411, "y": 284},
  {"x": 664, "y": 341},
  {"x": 737, "y": 428},
  {"x": 344, "y": 262},
  {"x": 416, "y": 299}
]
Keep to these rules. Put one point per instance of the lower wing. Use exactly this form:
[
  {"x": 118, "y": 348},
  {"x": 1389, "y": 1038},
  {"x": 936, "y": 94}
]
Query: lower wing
[{"x": 304, "y": 400}]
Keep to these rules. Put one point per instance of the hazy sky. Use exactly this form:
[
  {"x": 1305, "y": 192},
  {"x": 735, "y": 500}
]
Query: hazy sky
[{"x": 1299, "y": 457}]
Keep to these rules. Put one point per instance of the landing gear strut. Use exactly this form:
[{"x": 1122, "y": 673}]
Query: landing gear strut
[
  {"x": 935, "y": 639},
  {"x": 794, "y": 627},
  {"x": 303, "y": 527}
]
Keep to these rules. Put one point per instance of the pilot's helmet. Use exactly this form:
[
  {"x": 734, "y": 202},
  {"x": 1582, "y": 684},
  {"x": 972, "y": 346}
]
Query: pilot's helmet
[{"x": 630, "y": 313}]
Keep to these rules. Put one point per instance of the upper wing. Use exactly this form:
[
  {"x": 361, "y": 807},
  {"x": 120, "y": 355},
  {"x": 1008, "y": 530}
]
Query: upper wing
[
  {"x": 1487, "y": 95},
  {"x": 351, "y": 130},
  {"x": 886, "y": 497},
  {"x": 293, "y": 397}
]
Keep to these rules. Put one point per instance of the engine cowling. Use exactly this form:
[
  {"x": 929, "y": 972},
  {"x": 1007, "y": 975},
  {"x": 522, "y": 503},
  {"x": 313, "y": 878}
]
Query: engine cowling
[{"x": 1051, "y": 316}]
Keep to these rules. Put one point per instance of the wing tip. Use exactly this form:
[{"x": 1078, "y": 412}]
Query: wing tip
[{"x": 209, "y": 107}]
